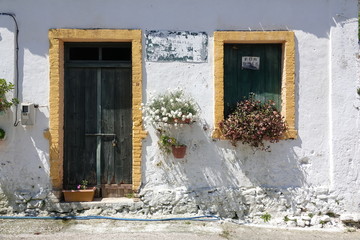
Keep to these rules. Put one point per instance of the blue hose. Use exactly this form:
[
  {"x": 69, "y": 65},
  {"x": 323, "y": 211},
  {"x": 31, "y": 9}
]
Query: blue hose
[{"x": 199, "y": 218}]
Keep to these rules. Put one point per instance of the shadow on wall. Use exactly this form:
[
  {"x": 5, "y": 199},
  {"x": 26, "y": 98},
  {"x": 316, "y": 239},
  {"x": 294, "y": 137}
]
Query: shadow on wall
[
  {"x": 214, "y": 164},
  {"x": 24, "y": 171},
  {"x": 24, "y": 164}
]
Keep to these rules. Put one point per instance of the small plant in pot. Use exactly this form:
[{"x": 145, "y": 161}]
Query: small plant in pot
[
  {"x": 82, "y": 194},
  {"x": 252, "y": 123},
  {"x": 170, "y": 144},
  {"x": 6, "y": 87},
  {"x": 2, "y": 134}
]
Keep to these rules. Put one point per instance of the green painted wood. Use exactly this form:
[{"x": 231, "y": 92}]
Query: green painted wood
[
  {"x": 123, "y": 104},
  {"x": 97, "y": 100},
  {"x": 239, "y": 82},
  {"x": 79, "y": 152},
  {"x": 116, "y": 95},
  {"x": 107, "y": 124}
]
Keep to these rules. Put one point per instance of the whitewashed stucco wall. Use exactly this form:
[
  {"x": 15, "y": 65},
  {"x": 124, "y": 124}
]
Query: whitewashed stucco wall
[{"x": 326, "y": 152}]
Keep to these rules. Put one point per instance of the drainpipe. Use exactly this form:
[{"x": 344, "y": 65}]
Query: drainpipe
[{"x": 12, "y": 15}]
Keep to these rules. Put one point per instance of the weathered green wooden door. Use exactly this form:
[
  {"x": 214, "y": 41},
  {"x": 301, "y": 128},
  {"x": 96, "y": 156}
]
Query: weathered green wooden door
[
  {"x": 240, "y": 79},
  {"x": 98, "y": 119}
]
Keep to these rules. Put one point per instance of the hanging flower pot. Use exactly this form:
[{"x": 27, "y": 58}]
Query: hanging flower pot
[
  {"x": 170, "y": 108},
  {"x": 179, "y": 151},
  {"x": 254, "y": 122}
]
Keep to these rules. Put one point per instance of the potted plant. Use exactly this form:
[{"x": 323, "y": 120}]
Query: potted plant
[
  {"x": 6, "y": 87},
  {"x": 172, "y": 107},
  {"x": 82, "y": 194},
  {"x": 170, "y": 144},
  {"x": 178, "y": 151},
  {"x": 254, "y": 122},
  {"x": 2, "y": 134}
]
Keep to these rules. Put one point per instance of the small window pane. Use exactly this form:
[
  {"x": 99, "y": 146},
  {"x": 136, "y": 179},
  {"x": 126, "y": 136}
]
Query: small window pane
[
  {"x": 116, "y": 54},
  {"x": 84, "y": 53}
]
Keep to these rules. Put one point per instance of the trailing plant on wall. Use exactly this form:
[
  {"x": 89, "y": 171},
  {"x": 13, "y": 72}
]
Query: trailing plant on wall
[
  {"x": 6, "y": 87},
  {"x": 252, "y": 123},
  {"x": 2, "y": 134},
  {"x": 172, "y": 107}
]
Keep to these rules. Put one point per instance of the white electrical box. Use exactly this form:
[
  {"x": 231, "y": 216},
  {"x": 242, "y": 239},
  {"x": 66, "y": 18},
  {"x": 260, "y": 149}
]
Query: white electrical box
[{"x": 27, "y": 114}]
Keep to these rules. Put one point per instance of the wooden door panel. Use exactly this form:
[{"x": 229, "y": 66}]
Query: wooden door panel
[
  {"x": 123, "y": 164},
  {"x": 79, "y": 151},
  {"x": 116, "y": 98}
]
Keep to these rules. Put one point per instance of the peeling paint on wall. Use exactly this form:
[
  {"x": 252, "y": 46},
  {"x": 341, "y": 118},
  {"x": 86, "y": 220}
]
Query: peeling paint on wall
[{"x": 182, "y": 46}]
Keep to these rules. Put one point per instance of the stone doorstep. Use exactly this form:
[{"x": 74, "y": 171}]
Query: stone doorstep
[
  {"x": 115, "y": 200},
  {"x": 100, "y": 200},
  {"x": 98, "y": 203}
]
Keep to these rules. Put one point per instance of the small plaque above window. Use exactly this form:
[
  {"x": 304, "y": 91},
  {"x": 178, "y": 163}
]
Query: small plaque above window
[{"x": 252, "y": 63}]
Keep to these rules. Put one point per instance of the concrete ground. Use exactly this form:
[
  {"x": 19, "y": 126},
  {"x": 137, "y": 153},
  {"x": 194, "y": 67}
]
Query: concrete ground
[{"x": 174, "y": 230}]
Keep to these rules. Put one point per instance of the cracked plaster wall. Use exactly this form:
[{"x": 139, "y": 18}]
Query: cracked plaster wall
[{"x": 325, "y": 154}]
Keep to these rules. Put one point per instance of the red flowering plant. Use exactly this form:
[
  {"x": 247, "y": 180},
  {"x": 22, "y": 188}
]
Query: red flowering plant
[{"x": 252, "y": 123}]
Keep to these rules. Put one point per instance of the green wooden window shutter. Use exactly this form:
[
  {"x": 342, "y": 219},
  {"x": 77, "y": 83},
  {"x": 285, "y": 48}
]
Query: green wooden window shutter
[{"x": 240, "y": 79}]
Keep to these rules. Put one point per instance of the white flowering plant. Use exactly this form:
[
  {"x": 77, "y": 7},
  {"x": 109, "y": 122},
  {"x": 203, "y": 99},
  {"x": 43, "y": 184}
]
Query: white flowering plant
[{"x": 172, "y": 107}]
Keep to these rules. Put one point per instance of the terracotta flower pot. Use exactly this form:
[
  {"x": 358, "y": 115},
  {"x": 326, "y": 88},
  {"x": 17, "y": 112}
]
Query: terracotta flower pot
[
  {"x": 179, "y": 151},
  {"x": 82, "y": 195}
]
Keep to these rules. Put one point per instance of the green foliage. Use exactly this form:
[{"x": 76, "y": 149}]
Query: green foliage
[
  {"x": 166, "y": 142},
  {"x": 266, "y": 217},
  {"x": 2, "y": 133},
  {"x": 129, "y": 195},
  {"x": 6, "y": 87},
  {"x": 252, "y": 122},
  {"x": 225, "y": 234},
  {"x": 83, "y": 184},
  {"x": 331, "y": 214},
  {"x": 286, "y": 219}
]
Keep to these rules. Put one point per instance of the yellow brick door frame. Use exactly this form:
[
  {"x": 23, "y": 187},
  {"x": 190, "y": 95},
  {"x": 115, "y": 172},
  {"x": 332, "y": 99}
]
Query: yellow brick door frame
[
  {"x": 57, "y": 37},
  {"x": 287, "y": 39}
]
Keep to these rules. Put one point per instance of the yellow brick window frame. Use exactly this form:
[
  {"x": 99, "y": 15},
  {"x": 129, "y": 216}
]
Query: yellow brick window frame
[
  {"x": 57, "y": 37},
  {"x": 287, "y": 39}
]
